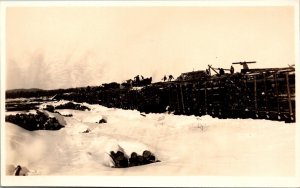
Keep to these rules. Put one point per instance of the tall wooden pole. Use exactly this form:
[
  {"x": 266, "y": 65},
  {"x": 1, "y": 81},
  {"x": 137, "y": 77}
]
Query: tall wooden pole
[
  {"x": 276, "y": 91},
  {"x": 266, "y": 95},
  {"x": 255, "y": 95},
  {"x": 205, "y": 98},
  {"x": 182, "y": 102},
  {"x": 288, "y": 93}
]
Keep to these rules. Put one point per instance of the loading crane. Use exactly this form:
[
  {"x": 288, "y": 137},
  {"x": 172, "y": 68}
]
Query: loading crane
[{"x": 245, "y": 64}]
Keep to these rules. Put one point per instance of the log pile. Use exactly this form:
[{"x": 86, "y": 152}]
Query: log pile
[
  {"x": 33, "y": 122},
  {"x": 73, "y": 106},
  {"x": 68, "y": 105},
  {"x": 123, "y": 161}
]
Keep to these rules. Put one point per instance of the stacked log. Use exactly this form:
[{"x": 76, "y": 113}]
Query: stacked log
[
  {"x": 33, "y": 122},
  {"x": 122, "y": 161}
]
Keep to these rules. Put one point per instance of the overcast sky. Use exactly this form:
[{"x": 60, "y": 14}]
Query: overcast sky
[{"x": 62, "y": 47}]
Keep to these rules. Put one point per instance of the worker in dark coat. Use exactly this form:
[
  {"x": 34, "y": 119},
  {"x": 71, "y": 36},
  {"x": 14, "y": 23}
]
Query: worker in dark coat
[
  {"x": 222, "y": 72},
  {"x": 164, "y": 78},
  {"x": 231, "y": 70},
  {"x": 137, "y": 79}
]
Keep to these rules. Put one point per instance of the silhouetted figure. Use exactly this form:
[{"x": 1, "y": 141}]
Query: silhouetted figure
[
  {"x": 170, "y": 77},
  {"x": 222, "y": 72},
  {"x": 164, "y": 78},
  {"x": 150, "y": 80},
  {"x": 245, "y": 65},
  {"x": 207, "y": 71},
  {"x": 231, "y": 70},
  {"x": 137, "y": 79}
]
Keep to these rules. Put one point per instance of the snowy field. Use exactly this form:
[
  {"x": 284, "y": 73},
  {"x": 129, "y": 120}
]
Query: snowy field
[{"x": 185, "y": 145}]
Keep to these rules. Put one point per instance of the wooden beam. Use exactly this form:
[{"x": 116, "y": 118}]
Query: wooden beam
[{"x": 213, "y": 69}]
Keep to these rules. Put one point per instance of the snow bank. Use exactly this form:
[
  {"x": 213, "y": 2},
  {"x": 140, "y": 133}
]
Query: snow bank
[
  {"x": 20, "y": 112},
  {"x": 185, "y": 145}
]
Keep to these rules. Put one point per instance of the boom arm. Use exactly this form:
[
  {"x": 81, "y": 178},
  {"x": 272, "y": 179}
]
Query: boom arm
[
  {"x": 212, "y": 69},
  {"x": 245, "y": 64}
]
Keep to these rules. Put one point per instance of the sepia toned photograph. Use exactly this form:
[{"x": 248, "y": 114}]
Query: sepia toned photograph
[{"x": 149, "y": 91}]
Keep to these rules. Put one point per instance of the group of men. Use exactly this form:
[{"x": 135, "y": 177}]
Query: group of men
[
  {"x": 221, "y": 70},
  {"x": 170, "y": 78}
]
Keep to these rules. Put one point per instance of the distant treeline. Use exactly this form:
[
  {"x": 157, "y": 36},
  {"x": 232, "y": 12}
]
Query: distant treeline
[
  {"x": 27, "y": 93},
  {"x": 138, "y": 81}
]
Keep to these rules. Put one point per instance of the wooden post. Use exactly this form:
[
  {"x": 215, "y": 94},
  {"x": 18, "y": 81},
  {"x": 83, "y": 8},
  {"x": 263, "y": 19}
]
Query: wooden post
[
  {"x": 182, "y": 102},
  {"x": 170, "y": 96},
  {"x": 205, "y": 98},
  {"x": 178, "y": 105},
  {"x": 266, "y": 96},
  {"x": 276, "y": 91},
  {"x": 255, "y": 95},
  {"x": 289, "y": 94}
]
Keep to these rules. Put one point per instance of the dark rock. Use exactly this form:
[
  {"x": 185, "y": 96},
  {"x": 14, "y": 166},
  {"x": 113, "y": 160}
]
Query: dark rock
[
  {"x": 17, "y": 170},
  {"x": 49, "y": 108},
  {"x": 86, "y": 131},
  {"x": 103, "y": 121}
]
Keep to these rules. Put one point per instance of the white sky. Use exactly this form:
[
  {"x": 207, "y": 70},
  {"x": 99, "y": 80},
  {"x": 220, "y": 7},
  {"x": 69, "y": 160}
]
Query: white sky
[{"x": 62, "y": 47}]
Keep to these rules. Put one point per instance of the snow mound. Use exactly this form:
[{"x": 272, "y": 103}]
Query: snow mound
[
  {"x": 23, "y": 147},
  {"x": 186, "y": 145}
]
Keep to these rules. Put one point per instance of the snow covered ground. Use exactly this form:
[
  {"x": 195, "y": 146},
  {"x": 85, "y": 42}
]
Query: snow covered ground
[{"x": 185, "y": 145}]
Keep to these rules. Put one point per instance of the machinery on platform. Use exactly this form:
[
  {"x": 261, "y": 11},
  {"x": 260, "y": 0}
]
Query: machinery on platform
[{"x": 267, "y": 93}]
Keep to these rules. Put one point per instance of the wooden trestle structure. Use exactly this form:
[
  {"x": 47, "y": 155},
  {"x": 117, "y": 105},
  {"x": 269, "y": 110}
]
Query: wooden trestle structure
[{"x": 252, "y": 93}]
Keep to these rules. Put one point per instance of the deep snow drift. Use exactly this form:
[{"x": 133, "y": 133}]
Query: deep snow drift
[{"x": 185, "y": 145}]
